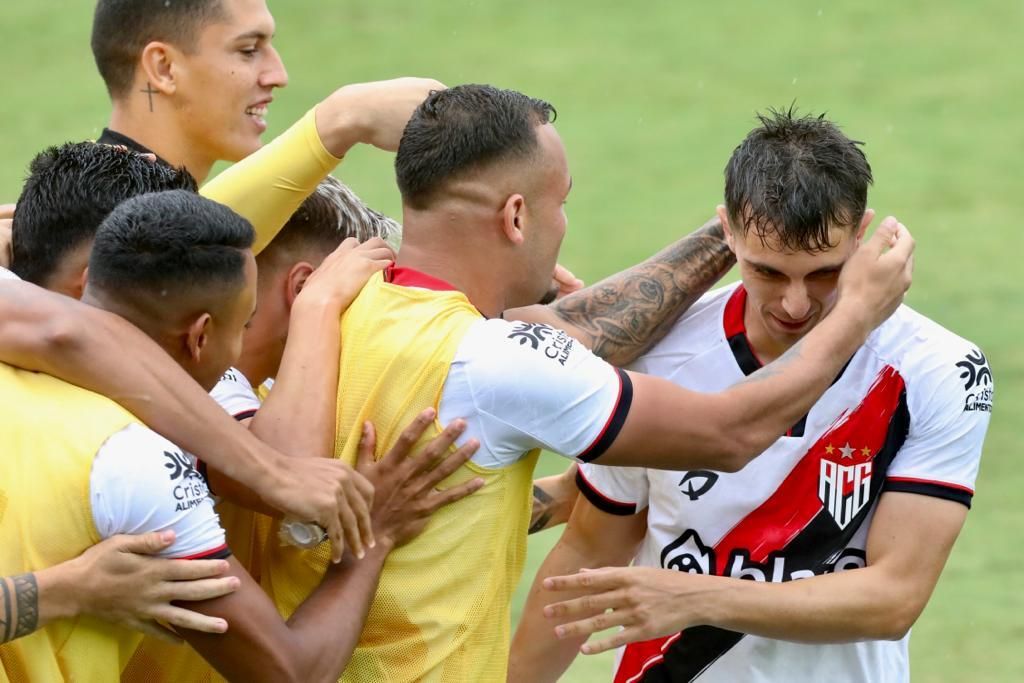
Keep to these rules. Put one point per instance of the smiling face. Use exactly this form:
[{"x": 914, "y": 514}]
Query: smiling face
[
  {"x": 788, "y": 292},
  {"x": 224, "y": 86}
]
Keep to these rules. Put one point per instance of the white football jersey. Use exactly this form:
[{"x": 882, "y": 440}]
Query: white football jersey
[{"x": 908, "y": 413}]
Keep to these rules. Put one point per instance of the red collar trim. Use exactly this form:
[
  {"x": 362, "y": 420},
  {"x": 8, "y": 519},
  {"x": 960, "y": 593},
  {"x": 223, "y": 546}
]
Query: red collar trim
[
  {"x": 734, "y": 307},
  {"x": 736, "y": 331},
  {"x": 408, "y": 277}
]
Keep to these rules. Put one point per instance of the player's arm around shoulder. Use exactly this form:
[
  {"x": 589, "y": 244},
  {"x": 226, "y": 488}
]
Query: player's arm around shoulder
[
  {"x": 624, "y": 315},
  {"x": 593, "y": 537}
]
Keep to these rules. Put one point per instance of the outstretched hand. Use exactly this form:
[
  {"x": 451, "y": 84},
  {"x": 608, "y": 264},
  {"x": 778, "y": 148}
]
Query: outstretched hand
[{"x": 645, "y": 602}]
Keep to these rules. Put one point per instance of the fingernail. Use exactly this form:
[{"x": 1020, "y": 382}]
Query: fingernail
[
  {"x": 167, "y": 536},
  {"x": 559, "y": 631},
  {"x": 222, "y": 626},
  {"x": 361, "y": 554}
]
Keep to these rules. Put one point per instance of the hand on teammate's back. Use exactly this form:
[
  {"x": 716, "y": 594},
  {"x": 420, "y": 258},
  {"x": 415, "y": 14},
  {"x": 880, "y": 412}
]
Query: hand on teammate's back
[
  {"x": 371, "y": 113},
  {"x": 343, "y": 273},
  {"x": 118, "y": 583},
  {"x": 877, "y": 276},
  {"x": 405, "y": 494}
]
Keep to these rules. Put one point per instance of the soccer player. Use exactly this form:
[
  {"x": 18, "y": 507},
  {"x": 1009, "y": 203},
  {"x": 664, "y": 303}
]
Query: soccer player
[
  {"x": 190, "y": 80},
  {"x": 296, "y": 322},
  {"x": 178, "y": 267},
  {"x": 841, "y": 529},
  {"x": 325, "y": 219},
  {"x": 484, "y": 177}
]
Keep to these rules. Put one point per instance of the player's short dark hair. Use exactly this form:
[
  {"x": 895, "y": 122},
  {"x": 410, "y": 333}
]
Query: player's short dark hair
[
  {"x": 157, "y": 246},
  {"x": 122, "y": 28},
  {"x": 794, "y": 177},
  {"x": 330, "y": 215},
  {"x": 461, "y": 129},
  {"x": 69, "y": 191}
]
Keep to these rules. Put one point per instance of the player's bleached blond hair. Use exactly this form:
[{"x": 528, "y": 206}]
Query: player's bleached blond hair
[{"x": 331, "y": 214}]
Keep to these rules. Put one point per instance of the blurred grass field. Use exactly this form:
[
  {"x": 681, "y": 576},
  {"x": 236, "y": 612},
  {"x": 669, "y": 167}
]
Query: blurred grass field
[{"x": 652, "y": 98}]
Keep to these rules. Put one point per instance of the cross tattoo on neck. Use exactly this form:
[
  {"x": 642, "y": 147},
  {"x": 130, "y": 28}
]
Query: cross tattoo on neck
[{"x": 149, "y": 91}]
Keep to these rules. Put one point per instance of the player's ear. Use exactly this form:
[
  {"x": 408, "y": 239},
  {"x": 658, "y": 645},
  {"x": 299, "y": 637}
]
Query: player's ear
[
  {"x": 158, "y": 67},
  {"x": 513, "y": 218},
  {"x": 869, "y": 215},
  {"x": 723, "y": 218},
  {"x": 79, "y": 287},
  {"x": 196, "y": 336},
  {"x": 295, "y": 280}
]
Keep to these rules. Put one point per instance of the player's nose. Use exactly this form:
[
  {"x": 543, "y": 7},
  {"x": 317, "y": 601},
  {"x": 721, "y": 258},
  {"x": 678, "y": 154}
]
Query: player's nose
[
  {"x": 795, "y": 302},
  {"x": 275, "y": 75}
]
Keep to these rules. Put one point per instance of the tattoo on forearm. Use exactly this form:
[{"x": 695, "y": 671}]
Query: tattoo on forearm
[
  {"x": 542, "y": 509},
  {"x": 19, "y": 614},
  {"x": 777, "y": 366},
  {"x": 627, "y": 313},
  {"x": 150, "y": 92}
]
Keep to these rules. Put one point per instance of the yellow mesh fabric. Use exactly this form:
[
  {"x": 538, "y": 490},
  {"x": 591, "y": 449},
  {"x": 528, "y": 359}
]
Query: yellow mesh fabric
[
  {"x": 441, "y": 613},
  {"x": 52, "y": 431}
]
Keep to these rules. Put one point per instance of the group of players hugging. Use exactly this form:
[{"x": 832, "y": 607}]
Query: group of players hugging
[{"x": 257, "y": 416}]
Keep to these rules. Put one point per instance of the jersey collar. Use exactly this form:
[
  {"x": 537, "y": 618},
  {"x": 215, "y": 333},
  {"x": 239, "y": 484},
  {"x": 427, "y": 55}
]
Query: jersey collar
[
  {"x": 409, "y": 277},
  {"x": 112, "y": 137},
  {"x": 736, "y": 332}
]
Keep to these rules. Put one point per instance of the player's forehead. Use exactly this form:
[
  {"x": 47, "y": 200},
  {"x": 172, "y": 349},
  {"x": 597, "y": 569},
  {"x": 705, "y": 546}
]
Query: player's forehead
[
  {"x": 239, "y": 20},
  {"x": 766, "y": 248},
  {"x": 555, "y": 160}
]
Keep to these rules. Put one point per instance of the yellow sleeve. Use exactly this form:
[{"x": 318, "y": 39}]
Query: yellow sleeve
[{"x": 268, "y": 186}]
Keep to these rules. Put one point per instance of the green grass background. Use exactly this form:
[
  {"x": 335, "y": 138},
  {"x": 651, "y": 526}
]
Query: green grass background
[{"x": 652, "y": 97}]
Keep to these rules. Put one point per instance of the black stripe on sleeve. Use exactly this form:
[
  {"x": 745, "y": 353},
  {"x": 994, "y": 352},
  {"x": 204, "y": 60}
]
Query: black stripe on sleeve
[
  {"x": 933, "y": 489},
  {"x": 615, "y": 421},
  {"x": 245, "y": 414},
  {"x": 601, "y": 501}
]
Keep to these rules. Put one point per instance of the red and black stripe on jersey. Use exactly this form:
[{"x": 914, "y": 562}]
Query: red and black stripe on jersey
[{"x": 793, "y": 522}]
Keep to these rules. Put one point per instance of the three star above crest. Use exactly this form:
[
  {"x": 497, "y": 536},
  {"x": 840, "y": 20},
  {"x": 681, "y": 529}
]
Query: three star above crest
[{"x": 847, "y": 451}]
